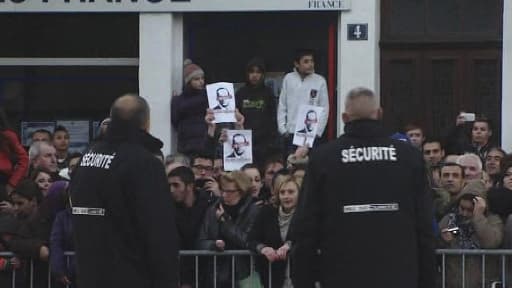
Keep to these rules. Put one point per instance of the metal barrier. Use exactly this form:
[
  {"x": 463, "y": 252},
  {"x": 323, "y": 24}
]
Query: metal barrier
[
  {"x": 493, "y": 263},
  {"x": 448, "y": 259}
]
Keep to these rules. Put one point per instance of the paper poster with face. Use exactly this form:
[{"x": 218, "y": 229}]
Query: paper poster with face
[
  {"x": 307, "y": 125},
  {"x": 237, "y": 149},
  {"x": 221, "y": 99}
]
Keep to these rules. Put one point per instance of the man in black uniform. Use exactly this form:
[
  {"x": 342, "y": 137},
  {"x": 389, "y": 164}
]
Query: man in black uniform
[
  {"x": 366, "y": 207},
  {"x": 123, "y": 218}
]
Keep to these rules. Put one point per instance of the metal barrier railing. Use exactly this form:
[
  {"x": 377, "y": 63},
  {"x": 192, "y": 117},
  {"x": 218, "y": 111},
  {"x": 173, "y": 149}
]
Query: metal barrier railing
[
  {"x": 448, "y": 258},
  {"x": 497, "y": 257}
]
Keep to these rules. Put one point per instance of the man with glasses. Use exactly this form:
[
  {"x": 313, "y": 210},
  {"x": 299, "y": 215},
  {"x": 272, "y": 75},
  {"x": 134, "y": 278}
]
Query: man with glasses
[{"x": 202, "y": 166}]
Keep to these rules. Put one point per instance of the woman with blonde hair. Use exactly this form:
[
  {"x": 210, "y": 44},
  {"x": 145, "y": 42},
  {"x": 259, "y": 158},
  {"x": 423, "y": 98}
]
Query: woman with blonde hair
[
  {"x": 226, "y": 226},
  {"x": 269, "y": 236}
]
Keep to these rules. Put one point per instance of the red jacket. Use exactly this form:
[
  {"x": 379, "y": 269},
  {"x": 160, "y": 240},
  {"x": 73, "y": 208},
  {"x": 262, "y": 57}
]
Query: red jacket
[{"x": 18, "y": 172}]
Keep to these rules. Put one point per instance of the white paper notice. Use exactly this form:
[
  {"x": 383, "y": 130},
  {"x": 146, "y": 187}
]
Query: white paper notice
[
  {"x": 237, "y": 149},
  {"x": 221, "y": 99},
  {"x": 307, "y": 125}
]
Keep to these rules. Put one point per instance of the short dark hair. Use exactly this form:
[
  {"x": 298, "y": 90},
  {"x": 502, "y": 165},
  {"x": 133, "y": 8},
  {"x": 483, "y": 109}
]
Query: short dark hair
[
  {"x": 34, "y": 173},
  {"x": 249, "y": 166},
  {"x": 136, "y": 116},
  {"x": 184, "y": 173},
  {"x": 413, "y": 126},
  {"x": 201, "y": 155},
  {"x": 432, "y": 140},
  {"x": 42, "y": 131},
  {"x": 272, "y": 160},
  {"x": 299, "y": 53},
  {"x": 467, "y": 197},
  {"x": 451, "y": 164},
  {"x": 60, "y": 128},
  {"x": 28, "y": 190},
  {"x": 484, "y": 119}
]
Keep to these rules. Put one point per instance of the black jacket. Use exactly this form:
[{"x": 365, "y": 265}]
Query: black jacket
[
  {"x": 266, "y": 232},
  {"x": 187, "y": 117},
  {"x": 188, "y": 221},
  {"x": 258, "y": 105},
  {"x": 387, "y": 245},
  {"x": 135, "y": 243},
  {"x": 234, "y": 232}
]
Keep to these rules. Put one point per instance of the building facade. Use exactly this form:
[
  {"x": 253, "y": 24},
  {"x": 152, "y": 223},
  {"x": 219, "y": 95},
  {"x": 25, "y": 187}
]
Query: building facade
[{"x": 68, "y": 60}]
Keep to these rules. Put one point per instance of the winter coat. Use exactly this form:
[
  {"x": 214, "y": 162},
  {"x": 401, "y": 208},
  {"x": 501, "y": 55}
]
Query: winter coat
[
  {"x": 234, "y": 232},
  {"x": 187, "y": 117},
  {"x": 13, "y": 159},
  {"x": 366, "y": 205},
  {"x": 61, "y": 240},
  {"x": 133, "y": 241},
  {"x": 266, "y": 232},
  {"x": 489, "y": 235},
  {"x": 188, "y": 222}
]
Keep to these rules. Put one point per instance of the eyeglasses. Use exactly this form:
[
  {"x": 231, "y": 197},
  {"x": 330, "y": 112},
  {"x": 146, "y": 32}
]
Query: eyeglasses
[{"x": 202, "y": 167}]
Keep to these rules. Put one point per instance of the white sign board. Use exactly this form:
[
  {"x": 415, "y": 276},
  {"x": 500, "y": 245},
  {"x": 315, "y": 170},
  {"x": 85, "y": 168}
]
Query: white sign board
[
  {"x": 221, "y": 99},
  {"x": 237, "y": 149},
  {"x": 307, "y": 125},
  {"x": 171, "y": 5}
]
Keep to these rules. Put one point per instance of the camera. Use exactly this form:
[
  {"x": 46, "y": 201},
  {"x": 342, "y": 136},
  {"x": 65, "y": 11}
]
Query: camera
[
  {"x": 201, "y": 182},
  {"x": 453, "y": 230}
]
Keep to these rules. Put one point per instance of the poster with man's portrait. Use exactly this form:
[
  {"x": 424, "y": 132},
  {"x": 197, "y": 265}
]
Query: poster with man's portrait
[
  {"x": 306, "y": 125},
  {"x": 237, "y": 149},
  {"x": 221, "y": 99}
]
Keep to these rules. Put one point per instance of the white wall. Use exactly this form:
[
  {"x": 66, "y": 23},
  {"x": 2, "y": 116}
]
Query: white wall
[
  {"x": 506, "y": 103},
  {"x": 160, "y": 69},
  {"x": 358, "y": 61}
]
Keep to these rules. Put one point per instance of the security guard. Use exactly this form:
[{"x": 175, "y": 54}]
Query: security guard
[
  {"x": 364, "y": 208},
  {"x": 122, "y": 213}
]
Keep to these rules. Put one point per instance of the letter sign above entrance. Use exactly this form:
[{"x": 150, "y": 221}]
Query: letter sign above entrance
[{"x": 357, "y": 32}]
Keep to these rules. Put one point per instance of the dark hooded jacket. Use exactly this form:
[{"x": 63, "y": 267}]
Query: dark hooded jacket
[
  {"x": 258, "y": 105},
  {"x": 187, "y": 117},
  {"x": 127, "y": 244},
  {"x": 365, "y": 205}
]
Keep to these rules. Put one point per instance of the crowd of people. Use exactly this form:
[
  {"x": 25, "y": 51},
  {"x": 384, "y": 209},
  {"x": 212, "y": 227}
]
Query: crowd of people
[{"x": 217, "y": 210}]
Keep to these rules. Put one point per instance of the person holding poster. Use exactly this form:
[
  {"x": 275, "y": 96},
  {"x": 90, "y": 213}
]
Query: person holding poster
[
  {"x": 301, "y": 87},
  {"x": 221, "y": 100},
  {"x": 257, "y": 102},
  {"x": 188, "y": 111}
]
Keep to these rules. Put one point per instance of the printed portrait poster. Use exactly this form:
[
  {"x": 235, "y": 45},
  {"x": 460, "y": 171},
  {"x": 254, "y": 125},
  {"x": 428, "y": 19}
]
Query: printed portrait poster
[
  {"x": 237, "y": 149},
  {"x": 78, "y": 134},
  {"x": 306, "y": 125},
  {"x": 27, "y": 128},
  {"x": 221, "y": 99}
]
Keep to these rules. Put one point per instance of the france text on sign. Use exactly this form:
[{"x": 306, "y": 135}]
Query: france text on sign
[{"x": 170, "y": 5}]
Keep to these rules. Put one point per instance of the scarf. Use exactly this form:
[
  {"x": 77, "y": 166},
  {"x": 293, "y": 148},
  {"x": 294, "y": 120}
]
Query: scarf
[{"x": 284, "y": 220}]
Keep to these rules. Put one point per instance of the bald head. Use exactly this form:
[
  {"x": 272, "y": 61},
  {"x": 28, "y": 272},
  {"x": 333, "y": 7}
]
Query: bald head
[
  {"x": 131, "y": 108},
  {"x": 361, "y": 103}
]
